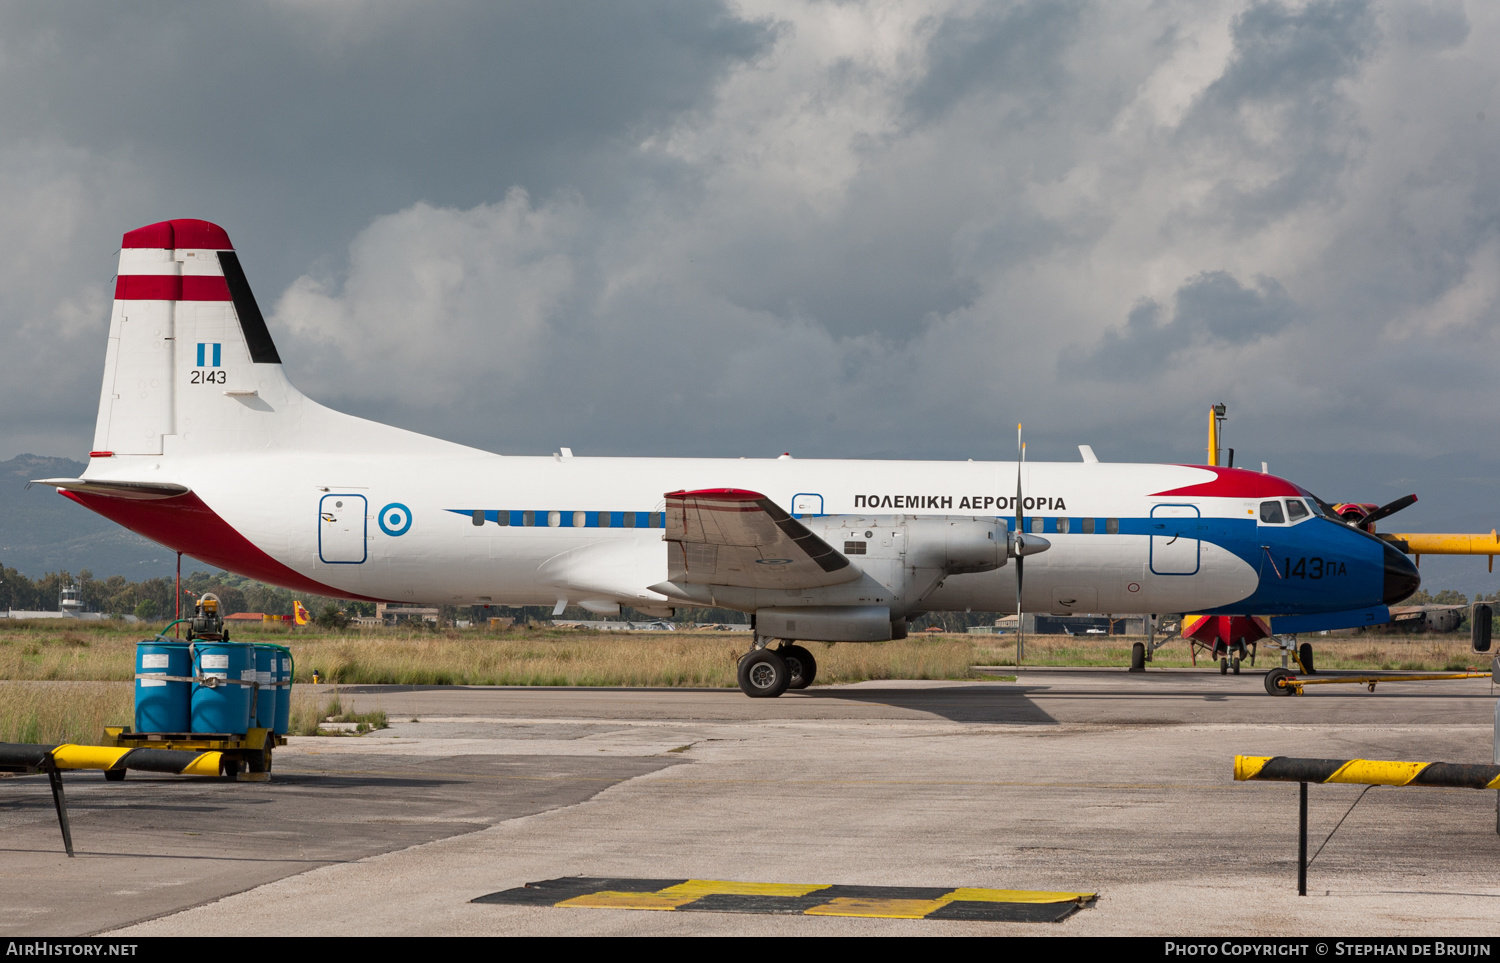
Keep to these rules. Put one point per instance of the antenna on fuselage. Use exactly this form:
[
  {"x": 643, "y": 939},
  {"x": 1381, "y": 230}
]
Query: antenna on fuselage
[{"x": 1217, "y": 415}]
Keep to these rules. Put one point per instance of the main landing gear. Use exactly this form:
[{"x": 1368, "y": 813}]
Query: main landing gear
[{"x": 766, "y": 673}]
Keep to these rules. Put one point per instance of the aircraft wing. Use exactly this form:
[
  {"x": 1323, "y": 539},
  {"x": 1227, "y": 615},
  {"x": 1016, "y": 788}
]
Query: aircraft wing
[
  {"x": 118, "y": 489},
  {"x": 728, "y": 536}
]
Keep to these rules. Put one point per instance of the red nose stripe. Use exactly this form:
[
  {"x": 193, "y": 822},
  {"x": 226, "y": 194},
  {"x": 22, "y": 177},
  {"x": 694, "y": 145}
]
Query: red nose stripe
[
  {"x": 170, "y": 287},
  {"x": 182, "y": 234},
  {"x": 1235, "y": 483}
]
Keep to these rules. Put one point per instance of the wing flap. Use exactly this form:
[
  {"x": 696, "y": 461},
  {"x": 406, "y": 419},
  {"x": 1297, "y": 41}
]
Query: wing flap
[{"x": 730, "y": 536}]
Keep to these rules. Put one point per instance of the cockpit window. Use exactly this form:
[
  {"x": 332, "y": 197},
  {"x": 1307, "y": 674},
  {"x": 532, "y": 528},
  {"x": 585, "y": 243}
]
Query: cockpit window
[
  {"x": 1295, "y": 509},
  {"x": 1270, "y": 513}
]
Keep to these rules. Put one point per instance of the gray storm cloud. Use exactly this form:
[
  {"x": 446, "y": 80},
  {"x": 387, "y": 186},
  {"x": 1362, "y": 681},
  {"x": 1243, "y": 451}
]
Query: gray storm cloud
[{"x": 834, "y": 229}]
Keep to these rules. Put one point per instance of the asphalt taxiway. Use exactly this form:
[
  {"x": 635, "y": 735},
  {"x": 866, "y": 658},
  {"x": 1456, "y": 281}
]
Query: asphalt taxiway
[{"x": 1092, "y": 781}]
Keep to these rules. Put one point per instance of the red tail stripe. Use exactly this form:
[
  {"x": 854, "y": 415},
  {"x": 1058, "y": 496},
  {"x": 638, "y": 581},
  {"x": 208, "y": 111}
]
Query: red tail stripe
[
  {"x": 171, "y": 287},
  {"x": 181, "y": 234}
]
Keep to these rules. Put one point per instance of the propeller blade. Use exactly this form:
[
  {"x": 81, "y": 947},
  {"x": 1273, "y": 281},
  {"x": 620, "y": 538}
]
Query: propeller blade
[
  {"x": 1385, "y": 511},
  {"x": 1020, "y": 545}
]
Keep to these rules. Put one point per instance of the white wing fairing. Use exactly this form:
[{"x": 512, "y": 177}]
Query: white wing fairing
[{"x": 203, "y": 444}]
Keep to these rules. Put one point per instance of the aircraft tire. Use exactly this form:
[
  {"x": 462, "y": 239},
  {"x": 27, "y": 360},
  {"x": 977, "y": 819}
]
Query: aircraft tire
[
  {"x": 1275, "y": 676},
  {"x": 1235, "y": 666},
  {"x": 1224, "y": 666},
  {"x": 801, "y": 667},
  {"x": 1305, "y": 656},
  {"x": 114, "y": 775},
  {"x": 1138, "y": 657},
  {"x": 763, "y": 674}
]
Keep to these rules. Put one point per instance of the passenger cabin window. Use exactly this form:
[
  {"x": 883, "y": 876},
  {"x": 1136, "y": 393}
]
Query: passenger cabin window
[
  {"x": 630, "y": 519},
  {"x": 1088, "y": 526},
  {"x": 1295, "y": 510},
  {"x": 653, "y": 520},
  {"x": 478, "y": 517},
  {"x": 1270, "y": 513},
  {"x": 528, "y": 519},
  {"x": 1062, "y": 526},
  {"x": 554, "y": 519},
  {"x": 1112, "y": 526},
  {"x": 1038, "y": 526},
  {"x": 502, "y": 518},
  {"x": 604, "y": 519},
  {"x": 854, "y": 548},
  {"x": 580, "y": 519}
]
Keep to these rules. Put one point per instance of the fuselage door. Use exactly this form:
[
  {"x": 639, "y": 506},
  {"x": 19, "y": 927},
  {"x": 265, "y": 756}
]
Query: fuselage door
[
  {"x": 1174, "y": 540},
  {"x": 805, "y": 505},
  {"x": 341, "y": 529}
]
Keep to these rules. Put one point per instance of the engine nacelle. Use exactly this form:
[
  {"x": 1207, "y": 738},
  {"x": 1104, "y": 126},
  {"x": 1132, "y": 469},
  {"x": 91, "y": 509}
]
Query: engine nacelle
[
  {"x": 959, "y": 545},
  {"x": 948, "y": 544},
  {"x": 827, "y": 623}
]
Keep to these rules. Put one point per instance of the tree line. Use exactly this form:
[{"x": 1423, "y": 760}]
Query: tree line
[{"x": 154, "y": 598}]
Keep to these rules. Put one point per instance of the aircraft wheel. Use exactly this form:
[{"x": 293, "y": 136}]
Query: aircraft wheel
[
  {"x": 1138, "y": 657},
  {"x": 763, "y": 675},
  {"x": 1305, "y": 656},
  {"x": 114, "y": 775},
  {"x": 1224, "y": 666},
  {"x": 801, "y": 667},
  {"x": 1273, "y": 682},
  {"x": 1235, "y": 665}
]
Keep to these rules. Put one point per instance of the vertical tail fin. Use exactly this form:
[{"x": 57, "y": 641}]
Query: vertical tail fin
[
  {"x": 191, "y": 366},
  {"x": 184, "y": 333}
]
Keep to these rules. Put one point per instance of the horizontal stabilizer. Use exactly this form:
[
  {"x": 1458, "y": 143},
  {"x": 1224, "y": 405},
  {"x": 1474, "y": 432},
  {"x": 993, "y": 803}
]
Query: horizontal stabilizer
[
  {"x": 728, "y": 536},
  {"x": 116, "y": 489}
]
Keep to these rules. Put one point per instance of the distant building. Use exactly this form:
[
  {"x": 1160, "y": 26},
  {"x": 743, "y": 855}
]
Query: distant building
[
  {"x": 69, "y": 606},
  {"x": 1041, "y": 624},
  {"x": 651, "y": 625}
]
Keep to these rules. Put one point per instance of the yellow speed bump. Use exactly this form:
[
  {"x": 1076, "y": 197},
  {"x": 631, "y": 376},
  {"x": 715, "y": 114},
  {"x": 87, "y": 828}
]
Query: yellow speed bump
[{"x": 804, "y": 899}]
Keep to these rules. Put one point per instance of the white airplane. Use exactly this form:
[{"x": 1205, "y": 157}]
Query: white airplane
[{"x": 203, "y": 445}]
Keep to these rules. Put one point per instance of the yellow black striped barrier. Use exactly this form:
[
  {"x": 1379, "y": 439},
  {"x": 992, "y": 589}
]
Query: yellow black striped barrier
[
  {"x": 1367, "y": 772},
  {"x": 1357, "y": 772},
  {"x": 23, "y": 757},
  {"x": 802, "y": 899}
]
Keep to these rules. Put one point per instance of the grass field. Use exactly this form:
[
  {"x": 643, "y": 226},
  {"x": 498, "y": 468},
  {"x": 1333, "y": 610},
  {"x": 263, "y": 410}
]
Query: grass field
[
  {"x": 1422, "y": 653},
  {"x": 105, "y": 652},
  {"x": 76, "y": 712},
  {"x": 97, "y": 660}
]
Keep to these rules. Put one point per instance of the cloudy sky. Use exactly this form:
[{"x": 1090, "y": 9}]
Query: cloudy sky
[{"x": 828, "y": 228}]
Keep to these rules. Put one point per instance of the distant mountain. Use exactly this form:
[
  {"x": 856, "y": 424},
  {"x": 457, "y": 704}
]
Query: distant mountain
[{"x": 41, "y": 532}]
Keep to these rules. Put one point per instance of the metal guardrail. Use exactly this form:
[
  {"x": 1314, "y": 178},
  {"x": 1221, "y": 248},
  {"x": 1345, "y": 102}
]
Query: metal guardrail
[
  {"x": 53, "y": 760},
  {"x": 1366, "y": 772},
  {"x": 1360, "y": 772}
]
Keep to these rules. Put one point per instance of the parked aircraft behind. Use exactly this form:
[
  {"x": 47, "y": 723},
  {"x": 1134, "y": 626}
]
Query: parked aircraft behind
[{"x": 204, "y": 445}]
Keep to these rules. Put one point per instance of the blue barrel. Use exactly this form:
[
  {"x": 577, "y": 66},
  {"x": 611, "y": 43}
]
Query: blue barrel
[
  {"x": 225, "y": 705},
  {"x": 160, "y": 705},
  {"x": 283, "y": 663},
  {"x": 265, "y": 674}
]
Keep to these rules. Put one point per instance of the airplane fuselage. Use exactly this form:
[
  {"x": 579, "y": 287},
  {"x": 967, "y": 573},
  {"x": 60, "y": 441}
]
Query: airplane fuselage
[{"x": 1124, "y": 538}]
